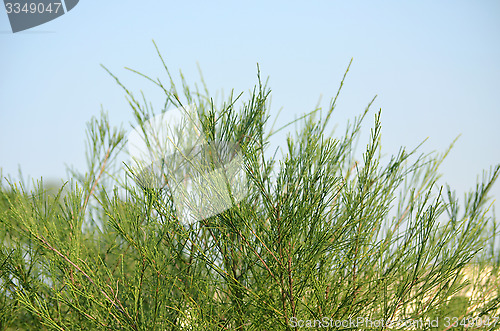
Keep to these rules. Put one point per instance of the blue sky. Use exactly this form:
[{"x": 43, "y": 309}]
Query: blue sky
[{"x": 435, "y": 67}]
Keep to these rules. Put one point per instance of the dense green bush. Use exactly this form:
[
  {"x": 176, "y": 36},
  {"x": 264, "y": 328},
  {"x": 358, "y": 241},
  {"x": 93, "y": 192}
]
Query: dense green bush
[{"x": 319, "y": 237}]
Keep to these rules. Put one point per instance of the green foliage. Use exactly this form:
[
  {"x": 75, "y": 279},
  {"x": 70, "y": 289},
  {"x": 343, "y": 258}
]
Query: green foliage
[{"x": 320, "y": 235}]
